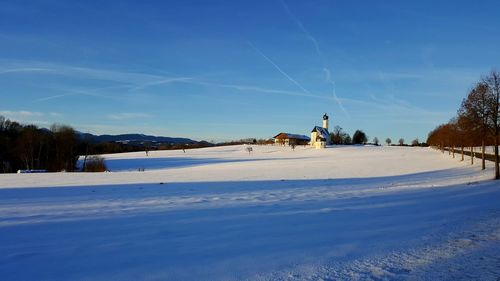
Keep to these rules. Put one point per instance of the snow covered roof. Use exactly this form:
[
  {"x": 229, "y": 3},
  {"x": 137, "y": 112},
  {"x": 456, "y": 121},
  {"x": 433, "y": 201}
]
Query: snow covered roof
[
  {"x": 322, "y": 132},
  {"x": 291, "y": 136}
]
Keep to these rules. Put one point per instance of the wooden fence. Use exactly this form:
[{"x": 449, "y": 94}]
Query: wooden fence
[{"x": 477, "y": 154}]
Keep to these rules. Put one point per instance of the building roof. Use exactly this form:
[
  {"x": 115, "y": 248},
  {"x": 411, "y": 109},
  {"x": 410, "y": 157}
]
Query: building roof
[
  {"x": 322, "y": 132},
  {"x": 291, "y": 136}
]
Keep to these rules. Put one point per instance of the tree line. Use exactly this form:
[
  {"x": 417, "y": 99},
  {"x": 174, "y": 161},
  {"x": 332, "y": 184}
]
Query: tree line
[
  {"x": 338, "y": 136},
  {"x": 477, "y": 122},
  {"x": 27, "y": 147},
  {"x": 31, "y": 148}
]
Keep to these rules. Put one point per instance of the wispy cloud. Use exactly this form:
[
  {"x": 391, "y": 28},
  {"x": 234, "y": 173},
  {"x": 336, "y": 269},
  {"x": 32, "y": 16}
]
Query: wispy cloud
[
  {"x": 31, "y": 117},
  {"x": 71, "y": 92},
  {"x": 133, "y": 82},
  {"x": 24, "y": 69},
  {"x": 126, "y": 79},
  {"x": 128, "y": 115},
  {"x": 389, "y": 107},
  {"x": 137, "y": 81},
  {"x": 20, "y": 113},
  {"x": 161, "y": 82},
  {"x": 373, "y": 106},
  {"x": 55, "y": 97},
  {"x": 259, "y": 89}
]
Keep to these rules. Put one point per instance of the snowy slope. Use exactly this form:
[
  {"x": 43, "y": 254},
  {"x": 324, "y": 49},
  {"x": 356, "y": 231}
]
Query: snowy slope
[
  {"x": 344, "y": 213},
  {"x": 236, "y": 164}
]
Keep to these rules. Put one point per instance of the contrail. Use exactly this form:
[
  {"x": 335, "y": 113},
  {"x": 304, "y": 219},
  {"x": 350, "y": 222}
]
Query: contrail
[
  {"x": 279, "y": 68},
  {"x": 319, "y": 53},
  {"x": 305, "y": 31},
  {"x": 335, "y": 97},
  {"x": 261, "y": 90},
  {"x": 54, "y": 97},
  {"x": 69, "y": 92},
  {"x": 160, "y": 82},
  {"x": 73, "y": 93},
  {"x": 25, "y": 69}
]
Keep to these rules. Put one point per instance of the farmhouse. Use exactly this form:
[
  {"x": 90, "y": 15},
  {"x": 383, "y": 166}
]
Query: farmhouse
[
  {"x": 290, "y": 139},
  {"x": 320, "y": 137}
]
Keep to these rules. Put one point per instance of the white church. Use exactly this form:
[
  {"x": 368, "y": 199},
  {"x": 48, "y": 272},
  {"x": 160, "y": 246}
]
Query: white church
[{"x": 320, "y": 137}]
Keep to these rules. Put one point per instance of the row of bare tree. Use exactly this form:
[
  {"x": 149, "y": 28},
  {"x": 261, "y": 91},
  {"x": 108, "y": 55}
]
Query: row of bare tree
[
  {"x": 27, "y": 147},
  {"x": 477, "y": 122}
]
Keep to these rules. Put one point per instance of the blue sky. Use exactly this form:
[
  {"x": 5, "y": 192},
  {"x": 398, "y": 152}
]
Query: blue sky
[{"x": 220, "y": 70}]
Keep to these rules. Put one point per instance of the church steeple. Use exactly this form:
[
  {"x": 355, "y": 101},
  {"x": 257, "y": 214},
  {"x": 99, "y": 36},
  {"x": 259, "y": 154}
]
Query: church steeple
[{"x": 325, "y": 121}]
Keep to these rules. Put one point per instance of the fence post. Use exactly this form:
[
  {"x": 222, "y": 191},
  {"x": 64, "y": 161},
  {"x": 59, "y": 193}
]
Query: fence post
[
  {"x": 483, "y": 163},
  {"x": 472, "y": 155}
]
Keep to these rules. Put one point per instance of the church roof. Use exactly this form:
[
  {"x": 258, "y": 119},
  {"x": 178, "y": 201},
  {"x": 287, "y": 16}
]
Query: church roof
[
  {"x": 322, "y": 132},
  {"x": 291, "y": 136}
]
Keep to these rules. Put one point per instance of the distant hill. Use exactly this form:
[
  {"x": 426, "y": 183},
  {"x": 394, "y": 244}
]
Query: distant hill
[{"x": 135, "y": 139}]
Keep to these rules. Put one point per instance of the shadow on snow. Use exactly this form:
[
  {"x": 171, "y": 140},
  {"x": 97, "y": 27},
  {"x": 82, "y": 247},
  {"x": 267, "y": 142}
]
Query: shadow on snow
[{"x": 134, "y": 164}]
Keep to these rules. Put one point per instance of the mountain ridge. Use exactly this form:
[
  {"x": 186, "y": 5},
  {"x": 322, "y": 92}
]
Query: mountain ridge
[{"x": 135, "y": 138}]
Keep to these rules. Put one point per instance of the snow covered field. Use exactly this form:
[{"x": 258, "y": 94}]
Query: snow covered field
[{"x": 344, "y": 213}]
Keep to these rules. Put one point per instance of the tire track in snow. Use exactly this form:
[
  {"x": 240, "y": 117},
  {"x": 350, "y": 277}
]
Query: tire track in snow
[{"x": 466, "y": 255}]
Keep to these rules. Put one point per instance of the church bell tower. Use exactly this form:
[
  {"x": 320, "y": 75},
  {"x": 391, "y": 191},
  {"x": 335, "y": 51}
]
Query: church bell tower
[{"x": 325, "y": 121}]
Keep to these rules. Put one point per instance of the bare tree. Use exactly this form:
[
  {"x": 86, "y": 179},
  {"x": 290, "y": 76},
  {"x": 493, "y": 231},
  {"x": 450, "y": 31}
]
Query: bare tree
[
  {"x": 338, "y": 136},
  {"x": 492, "y": 81},
  {"x": 375, "y": 141},
  {"x": 478, "y": 122},
  {"x": 95, "y": 164},
  {"x": 249, "y": 149},
  {"x": 462, "y": 133},
  {"x": 147, "y": 147},
  {"x": 86, "y": 149},
  {"x": 466, "y": 135},
  {"x": 388, "y": 141},
  {"x": 2, "y": 122},
  {"x": 415, "y": 142},
  {"x": 475, "y": 108},
  {"x": 65, "y": 146},
  {"x": 454, "y": 135},
  {"x": 401, "y": 141},
  {"x": 27, "y": 145},
  {"x": 436, "y": 137},
  {"x": 347, "y": 139}
]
